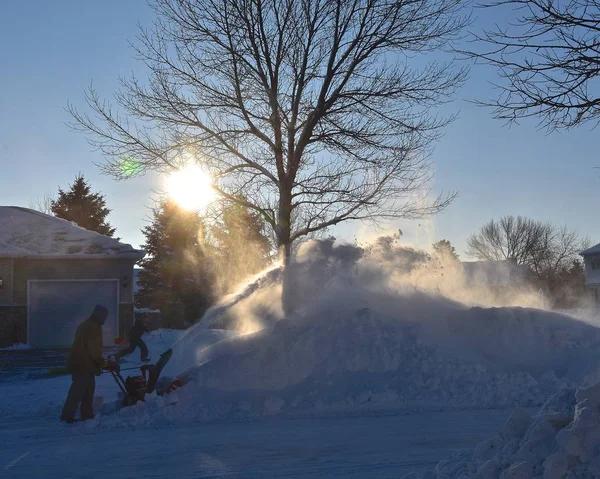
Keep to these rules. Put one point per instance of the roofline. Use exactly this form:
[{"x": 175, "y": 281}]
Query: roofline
[{"x": 134, "y": 256}]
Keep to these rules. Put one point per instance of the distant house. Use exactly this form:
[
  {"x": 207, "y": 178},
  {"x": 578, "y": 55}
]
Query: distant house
[
  {"x": 53, "y": 272},
  {"x": 591, "y": 259}
]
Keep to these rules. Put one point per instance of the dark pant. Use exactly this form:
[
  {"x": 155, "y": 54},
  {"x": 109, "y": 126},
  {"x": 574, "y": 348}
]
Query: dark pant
[
  {"x": 81, "y": 392},
  {"x": 134, "y": 343}
]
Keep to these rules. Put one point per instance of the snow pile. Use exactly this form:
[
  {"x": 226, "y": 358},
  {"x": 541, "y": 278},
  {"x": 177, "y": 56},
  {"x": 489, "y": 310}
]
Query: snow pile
[
  {"x": 561, "y": 440},
  {"x": 373, "y": 328},
  {"x": 376, "y": 328},
  {"x": 423, "y": 333},
  {"x": 16, "y": 347},
  {"x": 339, "y": 362},
  {"x": 189, "y": 346},
  {"x": 31, "y": 233}
]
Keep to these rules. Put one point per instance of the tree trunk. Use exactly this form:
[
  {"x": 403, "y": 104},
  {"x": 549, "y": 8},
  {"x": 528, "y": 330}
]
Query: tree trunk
[{"x": 285, "y": 250}]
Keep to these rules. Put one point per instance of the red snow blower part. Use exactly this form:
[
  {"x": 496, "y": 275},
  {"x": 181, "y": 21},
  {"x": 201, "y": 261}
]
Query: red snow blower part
[{"x": 135, "y": 388}]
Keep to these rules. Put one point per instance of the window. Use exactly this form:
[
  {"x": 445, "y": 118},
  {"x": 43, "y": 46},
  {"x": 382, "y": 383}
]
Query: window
[
  {"x": 595, "y": 262},
  {"x": 1, "y": 283}
]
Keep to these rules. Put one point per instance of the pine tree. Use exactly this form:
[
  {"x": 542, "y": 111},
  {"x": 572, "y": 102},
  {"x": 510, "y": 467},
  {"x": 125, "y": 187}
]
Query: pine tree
[
  {"x": 240, "y": 245},
  {"x": 177, "y": 276},
  {"x": 445, "y": 250},
  {"x": 88, "y": 210}
]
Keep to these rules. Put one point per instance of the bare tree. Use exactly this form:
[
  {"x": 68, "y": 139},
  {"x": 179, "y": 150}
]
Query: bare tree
[
  {"x": 549, "y": 61},
  {"x": 312, "y": 110},
  {"x": 546, "y": 249},
  {"x": 557, "y": 249},
  {"x": 509, "y": 238},
  {"x": 43, "y": 204}
]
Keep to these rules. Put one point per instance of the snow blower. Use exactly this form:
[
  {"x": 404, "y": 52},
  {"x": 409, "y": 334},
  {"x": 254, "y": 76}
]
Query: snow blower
[{"x": 135, "y": 388}]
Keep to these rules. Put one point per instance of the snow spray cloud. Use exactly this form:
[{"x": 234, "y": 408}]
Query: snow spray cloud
[
  {"x": 331, "y": 276},
  {"x": 251, "y": 307}
]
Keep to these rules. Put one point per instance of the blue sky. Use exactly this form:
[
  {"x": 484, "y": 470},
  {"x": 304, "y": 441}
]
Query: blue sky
[{"x": 51, "y": 51}]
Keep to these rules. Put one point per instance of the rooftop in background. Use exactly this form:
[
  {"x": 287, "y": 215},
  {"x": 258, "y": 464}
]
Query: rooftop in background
[
  {"x": 592, "y": 250},
  {"x": 29, "y": 233}
]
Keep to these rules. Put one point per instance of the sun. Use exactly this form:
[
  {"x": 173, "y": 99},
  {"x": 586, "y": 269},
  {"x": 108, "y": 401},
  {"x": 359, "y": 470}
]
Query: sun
[{"x": 191, "y": 188}]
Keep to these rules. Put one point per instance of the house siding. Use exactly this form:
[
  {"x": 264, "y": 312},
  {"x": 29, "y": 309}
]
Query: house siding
[
  {"x": 592, "y": 276},
  {"x": 16, "y": 273},
  {"x": 6, "y": 274},
  {"x": 27, "y": 269},
  {"x": 13, "y": 325}
]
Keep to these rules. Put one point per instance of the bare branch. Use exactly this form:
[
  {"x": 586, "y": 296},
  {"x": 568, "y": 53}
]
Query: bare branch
[
  {"x": 548, "y": 62},
  {"x": 309, "y": 112}
]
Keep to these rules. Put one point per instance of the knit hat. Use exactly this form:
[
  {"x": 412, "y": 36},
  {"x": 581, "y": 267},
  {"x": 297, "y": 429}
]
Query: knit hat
[{"x": 100, "y": 313}]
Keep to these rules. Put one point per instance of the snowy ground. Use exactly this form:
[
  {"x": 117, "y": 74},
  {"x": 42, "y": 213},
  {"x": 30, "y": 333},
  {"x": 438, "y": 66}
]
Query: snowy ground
[
  {"x": 363, "y": 444},
  {"x": 384, "y": 369},
  {"x": 384, "y": 446}
]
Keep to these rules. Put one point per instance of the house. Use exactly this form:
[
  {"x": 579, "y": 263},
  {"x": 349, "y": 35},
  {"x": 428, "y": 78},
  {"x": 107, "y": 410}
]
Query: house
[
  {"x": 591, "y": 259},
  {"x": 52, "y": 273}
]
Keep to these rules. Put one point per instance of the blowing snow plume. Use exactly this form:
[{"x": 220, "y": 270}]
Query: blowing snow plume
[
  {"x": 376, "y": 327},
  {"x": 328, "y": 275}
]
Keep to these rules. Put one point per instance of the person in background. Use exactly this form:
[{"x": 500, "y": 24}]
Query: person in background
[
  {"x": 85, "y": 361},
  {"x": 135, "y": 341}
]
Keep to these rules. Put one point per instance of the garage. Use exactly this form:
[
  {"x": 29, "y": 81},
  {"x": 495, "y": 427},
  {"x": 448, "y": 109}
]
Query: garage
[
  {"x": 53, "y": 273},
  {"x": 57, "y": 307}
]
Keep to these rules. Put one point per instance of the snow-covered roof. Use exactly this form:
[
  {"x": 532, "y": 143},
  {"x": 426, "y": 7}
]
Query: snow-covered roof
[
  {"x": 592, "y": 250},
  {"x": 29, "y": 233}
]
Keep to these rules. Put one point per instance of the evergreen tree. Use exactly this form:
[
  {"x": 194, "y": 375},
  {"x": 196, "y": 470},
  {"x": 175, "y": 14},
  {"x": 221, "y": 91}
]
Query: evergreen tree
[
  {"x": 240, "y": 244},
  {"x": 177, "y": 276},
  {"x": 88, "y": 210},
  {"x": 445, "y": 250}
]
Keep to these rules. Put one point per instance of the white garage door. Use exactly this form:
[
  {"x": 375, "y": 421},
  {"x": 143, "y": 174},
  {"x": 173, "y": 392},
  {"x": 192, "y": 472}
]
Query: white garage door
[{"x": 56, "y": 308}]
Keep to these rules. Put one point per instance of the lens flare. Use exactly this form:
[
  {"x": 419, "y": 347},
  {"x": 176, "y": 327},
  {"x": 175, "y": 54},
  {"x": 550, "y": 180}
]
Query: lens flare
[
  {"x": 191, "y": 188},
  {"x": 130, "y": 167}
]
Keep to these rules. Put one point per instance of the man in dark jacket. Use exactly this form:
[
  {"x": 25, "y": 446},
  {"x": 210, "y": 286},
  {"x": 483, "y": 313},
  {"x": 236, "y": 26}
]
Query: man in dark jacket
[
  {"x": 84, "y": 362},
  {"x": 135, "y": 340}
]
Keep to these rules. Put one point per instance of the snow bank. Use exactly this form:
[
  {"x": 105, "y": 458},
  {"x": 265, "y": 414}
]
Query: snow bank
[
  {"x": 378, "y": 328},
  {"x": 367, "y": 335},
  {"x": 189, "y": 347},
  {"x": 16, "y": 347},
  {"x": 561, "y": 440},
  {"x": 373, "y": 329},
  {"x": 31, "y": 233}
]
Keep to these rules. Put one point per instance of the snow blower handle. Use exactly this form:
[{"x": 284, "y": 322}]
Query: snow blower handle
[
  {"x": 145, "y": 369},
  {"x": 111, "y": 365}
]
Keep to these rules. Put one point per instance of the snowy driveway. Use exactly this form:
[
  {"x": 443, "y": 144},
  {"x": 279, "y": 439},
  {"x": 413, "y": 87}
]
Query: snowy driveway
[{"x": 383, "y": 446}]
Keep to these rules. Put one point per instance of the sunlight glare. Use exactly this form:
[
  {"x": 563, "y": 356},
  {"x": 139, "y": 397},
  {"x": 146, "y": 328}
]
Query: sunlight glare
[{"x": 191, "y": 188}]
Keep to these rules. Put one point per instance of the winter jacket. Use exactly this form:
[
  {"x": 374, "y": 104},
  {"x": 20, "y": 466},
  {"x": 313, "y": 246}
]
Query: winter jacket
[
  {"x": 85, "y": 355},
  {"x": 137, "y": 331}
]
